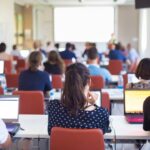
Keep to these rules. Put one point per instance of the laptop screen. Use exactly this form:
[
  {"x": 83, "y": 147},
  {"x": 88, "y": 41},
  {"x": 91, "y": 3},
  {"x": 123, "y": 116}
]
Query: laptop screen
[
  {"x": 134, "y": 100},
  {"x": 1, "y": 67},
  {"x": 98, "y": 101},
  {"x": 132, "y": 78},
  {"x": 9, "y": 108}
]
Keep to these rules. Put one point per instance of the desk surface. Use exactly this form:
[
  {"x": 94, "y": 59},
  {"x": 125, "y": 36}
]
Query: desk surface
[{"x": 35, "y": 126}]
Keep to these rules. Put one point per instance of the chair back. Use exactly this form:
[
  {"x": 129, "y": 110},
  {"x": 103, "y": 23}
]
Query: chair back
[
  {"x": 76, "y": 139},
  {"x": 115, "y": 67},
  {"x": 21, "y": 65},
  {"x": 125, "y": 80},
  {"x": 146, "y": 112},
  {"x": 57, "y": 82},
  {"x": 106, "y": 101},
  {"x": 67, "y": 62},
  {"x": 7, "y": 67},
  {"x": 31, "y": 102},
  {"x": 1, "y": 91},
  {"x": 12, "y": 80},
  {"x": 97, "y": 82}
]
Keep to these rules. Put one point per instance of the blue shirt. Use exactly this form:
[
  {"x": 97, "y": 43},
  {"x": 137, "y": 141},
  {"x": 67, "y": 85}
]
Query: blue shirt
[
  {"x": 67, "y": 54},
  {"x": 58, "y": 116},
  {"x": 96, "y": 70},
  {"x": 34, "y": 81},
  {"x": 117, "y": 55}
]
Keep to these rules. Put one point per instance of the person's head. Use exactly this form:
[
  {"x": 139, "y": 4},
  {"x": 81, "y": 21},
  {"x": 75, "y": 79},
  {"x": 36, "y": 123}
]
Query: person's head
[
  {"x": 129, "y": 46},
  {"x": 48, "y": 43},
  {"x": 88, "y": 45},
  {"x": 77, "y": 81},
  {"x": 111, "y": 46},
  {"x": 14, "y": 47},
  {"x": 37, "y": 44},
  {"x": 35, "y": 60},
  {"x": 69, "y": 46},
  {"x": 73, "y": 47},
  {"x": 92, "y": 56},
  {"x": 118, "y": 46},
  {"x": 143, "y": 69},
  {"x": 57, "y": 45},
  {"x": 2, "y": 47}
]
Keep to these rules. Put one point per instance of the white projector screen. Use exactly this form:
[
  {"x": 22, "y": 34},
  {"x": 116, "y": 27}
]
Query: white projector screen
[{"x": 81, "y": 24}]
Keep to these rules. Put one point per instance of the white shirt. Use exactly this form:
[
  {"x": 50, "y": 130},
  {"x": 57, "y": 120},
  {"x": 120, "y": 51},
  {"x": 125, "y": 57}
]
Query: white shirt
[
  {"x": 15, "y": 53},
  {"x": 3, "y": 132},
  {"x": 133, "y": 55}
]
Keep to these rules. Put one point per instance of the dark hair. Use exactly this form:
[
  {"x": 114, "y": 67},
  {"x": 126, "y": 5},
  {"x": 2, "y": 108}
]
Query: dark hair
[
  {"x": 143, "y": 69},
  {"x": 68, "y": 46},
  {"x": 35, "y": 59},
  {"x": 14, "y": 47},
  {"x": 73, "y": 98},
  {"x": 48, "y": 43},
  {"x": 92, "y": 53},
  {"x": 55, "y": 58},
  {"x": 118, "y": 46},
  {"x": 2, "y": 47},
  {"x": 57, "y": 45}
]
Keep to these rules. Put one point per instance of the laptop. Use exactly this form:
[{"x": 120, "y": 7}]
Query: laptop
[
  {"x": 98, "y": 101},
  {"x": 132, "y": 78},
  {"x": 133, "y": 104},
  {"x": 9, "y": 112},
  {"x": 1, "y": 67}
]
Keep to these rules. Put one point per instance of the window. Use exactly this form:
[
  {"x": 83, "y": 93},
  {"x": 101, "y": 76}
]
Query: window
[{"x": 81, "y": 24}]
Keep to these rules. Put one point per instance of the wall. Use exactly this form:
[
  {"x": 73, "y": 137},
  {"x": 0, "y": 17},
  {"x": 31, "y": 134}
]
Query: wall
[
  {"x": 127, "y": 27},
  {"x": 7, "y": 22}
]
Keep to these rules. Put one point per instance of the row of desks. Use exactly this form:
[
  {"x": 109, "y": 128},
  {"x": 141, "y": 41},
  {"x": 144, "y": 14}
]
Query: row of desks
[{"x": 35, "y": 126}]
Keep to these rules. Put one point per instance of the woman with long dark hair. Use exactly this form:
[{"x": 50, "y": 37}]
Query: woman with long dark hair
[{"x": 77, "y": 107}]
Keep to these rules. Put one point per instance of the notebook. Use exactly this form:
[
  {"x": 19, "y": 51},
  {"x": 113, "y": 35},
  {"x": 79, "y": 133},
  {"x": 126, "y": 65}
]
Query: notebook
[
  {"x": 1, "y": 67},
  {"x": 133, "y": 105},
  {"x": 132, "y": 78},
  {"x": 9, "y": 112}
]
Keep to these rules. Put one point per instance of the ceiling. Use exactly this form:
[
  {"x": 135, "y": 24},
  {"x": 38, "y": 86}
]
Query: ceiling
[{"x": 75, "y": 2}]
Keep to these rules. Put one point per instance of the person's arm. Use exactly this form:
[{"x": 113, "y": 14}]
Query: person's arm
[
  {"x": 48, "y": 85},
  {"x": 7, "y": 143}
]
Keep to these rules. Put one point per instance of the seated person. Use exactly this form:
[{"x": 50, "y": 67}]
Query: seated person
[
  {"x": 68, "y": 54},
  {"x": 15, "y": 51},
  {"x": 77, "y": 108},
  {"x": 5, "y": 140},
  {"x": 143, "y": 74},
  {"x": 94, "y": 67},
  {"x": 55, "y": 64},
  {"x": 33, "y": 79},
  {"x": 3, "y": 54},
  {"x": 116, "y": 54}
]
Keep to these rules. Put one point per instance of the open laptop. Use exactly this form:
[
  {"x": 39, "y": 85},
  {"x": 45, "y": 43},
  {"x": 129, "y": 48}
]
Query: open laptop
[
  {"x": 133, "y": 104},
  {"x": 9, "y": 112},
  {"x": 1, "y": 67}
]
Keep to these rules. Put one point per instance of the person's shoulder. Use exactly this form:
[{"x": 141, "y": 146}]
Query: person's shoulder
[
  {"x": 24, "y": 72},
  {"x": 102, "y": 111},
  {"x": 54, "y": 104}
]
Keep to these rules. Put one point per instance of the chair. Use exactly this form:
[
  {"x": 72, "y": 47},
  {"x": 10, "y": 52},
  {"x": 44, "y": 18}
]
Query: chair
[
  {"x": 12, "y": 80},
  {"x": 1, "y": 91},
  {"x": 115, "y": 67},
  {"x": 21, "y": 65},
  {"x": 97, "y": 82},
  {"x": 57, "y": 82},
  {"x": 68, "y": 62},
  {"x": 76, "y": 139},
  {"x": 31, "y": 102},
  {"x": 125, "y": 80},
  {"x": 7, "y": 67},
  {"x": 106, "y": 101}
]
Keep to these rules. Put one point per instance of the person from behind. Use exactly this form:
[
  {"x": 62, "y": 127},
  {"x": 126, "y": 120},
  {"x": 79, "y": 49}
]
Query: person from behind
[
  {"x": 33, "y": 79},
  {"x": 143, "y": 74},
  {"x": 68, "y": 54},
  {"x": 15, "y": 51},
  {"x": 94, "y": 67},
  {"x": 77, "y": 108},
  {"x": 57, "y": 46},
  {"x": 55, "y": 64},
  {"x": 5, "y": 139},
  {"x": 3, "y": 54}
]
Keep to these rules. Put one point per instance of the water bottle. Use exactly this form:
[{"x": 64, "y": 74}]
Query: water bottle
[
  {"x": 52, "y": 94},
  {"x": 120, "y": 82}
]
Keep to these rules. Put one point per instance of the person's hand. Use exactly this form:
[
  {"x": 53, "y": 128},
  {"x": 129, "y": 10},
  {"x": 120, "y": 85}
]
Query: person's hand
[{"x": 92, "y": 97}]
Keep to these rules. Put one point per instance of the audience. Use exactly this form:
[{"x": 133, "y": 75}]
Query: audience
[
  {"x": 68, "y": 54},
  {"x": 5, "y": 139},
  {"x": 143, "y": 74},
  {"x": 77, "y": 107},
  {"x": 94, "y": 67},
  {"x": 3, "y": 54},
  {"x": 33, "y": 79},
  {"x": 15, "y": 51},
  {"x": 55, "y": 64}
]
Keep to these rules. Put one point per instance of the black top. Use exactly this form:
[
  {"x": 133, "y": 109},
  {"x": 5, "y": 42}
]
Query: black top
[
  {"x": 58, "y": 116},
  {"x": 52, "y": 68}
]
